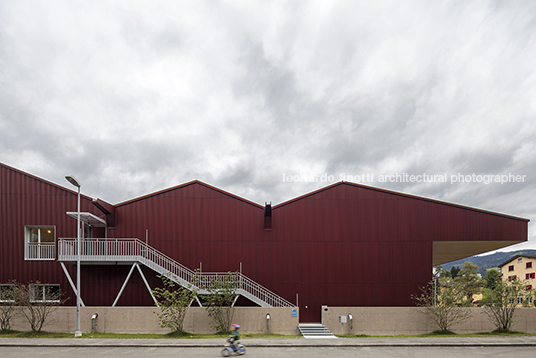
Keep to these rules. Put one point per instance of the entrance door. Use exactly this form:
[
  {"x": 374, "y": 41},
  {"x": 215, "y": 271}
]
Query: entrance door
[{"x": 310, "y": 313}]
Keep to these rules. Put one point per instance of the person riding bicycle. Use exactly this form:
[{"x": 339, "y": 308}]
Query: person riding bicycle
[{"x": 235, "y": 336}]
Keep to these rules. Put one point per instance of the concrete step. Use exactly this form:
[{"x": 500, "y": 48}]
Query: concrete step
[{"x": 315, "y": 330}]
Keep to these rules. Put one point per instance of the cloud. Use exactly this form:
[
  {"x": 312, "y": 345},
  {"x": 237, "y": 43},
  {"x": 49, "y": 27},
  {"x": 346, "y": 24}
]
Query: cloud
[{"x": 132, "y": 97}]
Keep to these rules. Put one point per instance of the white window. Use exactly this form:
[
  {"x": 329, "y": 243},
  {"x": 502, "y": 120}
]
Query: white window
[
  {"x": 44, "y": 293},
  {"x": 7, "y": 293},
  {"x": 40, "y": 243}
]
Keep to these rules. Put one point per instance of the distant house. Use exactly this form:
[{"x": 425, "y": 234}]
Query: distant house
[
  {"x": 522, "y": 267},
  {"x": 342, "y": 245}
]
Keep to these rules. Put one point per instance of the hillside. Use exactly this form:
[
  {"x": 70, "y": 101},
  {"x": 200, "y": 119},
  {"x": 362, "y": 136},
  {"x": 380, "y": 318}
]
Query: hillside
[{"x": 488, "y": 261}]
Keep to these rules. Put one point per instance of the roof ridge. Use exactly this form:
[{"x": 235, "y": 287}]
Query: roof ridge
[
  {"x": 398, "y": 193},
  {"x": 183, "y": 185},
  {"x": 45, "y": 181}
]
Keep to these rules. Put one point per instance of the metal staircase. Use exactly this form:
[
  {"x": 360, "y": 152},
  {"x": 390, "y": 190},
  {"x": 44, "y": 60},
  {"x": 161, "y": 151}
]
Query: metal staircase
[
  {"x": 106, "y": 251},
  {"x": 315, "y": 330}
]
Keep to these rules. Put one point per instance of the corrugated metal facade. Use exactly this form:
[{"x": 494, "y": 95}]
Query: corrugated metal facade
[
  {"x": 344, "y": 245},
  {"x": 26, "y": 200}
]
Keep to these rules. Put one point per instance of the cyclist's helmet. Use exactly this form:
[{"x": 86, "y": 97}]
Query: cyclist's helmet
[{"x": 236, "y": 326}]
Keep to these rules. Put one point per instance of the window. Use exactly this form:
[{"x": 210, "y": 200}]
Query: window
[
  {"x": 530, "y": 276},
  {"x": 512, "y": 278},
  {"x": 519, "y": 260},
  {"x": 520, "y": 300},
  {"x": 40, "y": 243},
  {"x": 44, "y": 293},
  {"x": 511, "y": 268},
  {"x": 529, "y": 287},
  {"x": 529, "y": 265},
  {"x": 6, "y": 293}
]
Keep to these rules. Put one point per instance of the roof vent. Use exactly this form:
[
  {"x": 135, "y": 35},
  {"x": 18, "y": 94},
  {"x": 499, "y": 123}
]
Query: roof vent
[{"x": 268, "y": 216}]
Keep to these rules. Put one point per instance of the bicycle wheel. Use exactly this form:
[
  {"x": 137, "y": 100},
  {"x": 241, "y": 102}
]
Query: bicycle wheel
[
  {"x": 225, "y": 352},
  {"x": 241, "y": 349}
]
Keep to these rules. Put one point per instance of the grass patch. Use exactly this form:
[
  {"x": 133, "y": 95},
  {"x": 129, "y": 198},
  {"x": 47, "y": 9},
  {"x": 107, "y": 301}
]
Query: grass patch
[
  {"x": 31, "y": 334},
  {"x": 444, "y": 332},
  {"x": 171, "y": 335},
  {"x": 481, "y": 334},
  {"x": 185, "y": 335},
  {"x": 440, "y": 334}
]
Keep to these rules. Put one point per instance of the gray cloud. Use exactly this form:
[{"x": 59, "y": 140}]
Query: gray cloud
[{"x": 132, "y": 97}]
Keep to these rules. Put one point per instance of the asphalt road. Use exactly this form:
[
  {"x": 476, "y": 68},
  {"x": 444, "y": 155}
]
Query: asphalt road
[{"x": 261, "y": 352}]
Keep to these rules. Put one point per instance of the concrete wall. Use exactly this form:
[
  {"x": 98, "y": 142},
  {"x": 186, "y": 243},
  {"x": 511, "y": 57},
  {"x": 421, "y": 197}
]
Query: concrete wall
[
  {"x": 411, "y": 321},
  {"x": 144, "y": 320},
  {"x": 366, "y": 320}
]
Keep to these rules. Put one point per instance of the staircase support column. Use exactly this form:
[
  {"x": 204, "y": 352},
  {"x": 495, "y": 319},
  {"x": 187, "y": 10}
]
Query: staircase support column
[
  {"x": 146, "y": 284},
  {"x": 124, "y": 285},
  {"x": 234, "y": 301},
  {"x": 71, "y": 282}
]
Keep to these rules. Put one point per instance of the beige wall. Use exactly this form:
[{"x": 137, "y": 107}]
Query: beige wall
[
  {"x": 410, "y": 320},
  {"x": 144, "y": 320},
  {"x": 366, "y": 320}
]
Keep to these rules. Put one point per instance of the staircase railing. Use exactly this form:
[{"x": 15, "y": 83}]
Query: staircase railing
[{"x": 135, "y": 250}]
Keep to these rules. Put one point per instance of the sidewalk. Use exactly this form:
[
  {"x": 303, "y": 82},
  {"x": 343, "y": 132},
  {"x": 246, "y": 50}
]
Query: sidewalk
[{"x": 529, "y": 341}]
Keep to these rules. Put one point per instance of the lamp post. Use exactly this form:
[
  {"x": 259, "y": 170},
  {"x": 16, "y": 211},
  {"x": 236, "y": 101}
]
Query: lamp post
[{"x": 76, "y": 183}]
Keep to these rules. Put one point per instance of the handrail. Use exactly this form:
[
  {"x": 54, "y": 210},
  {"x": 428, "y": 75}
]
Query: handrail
[{"x": 133, "y": 249}]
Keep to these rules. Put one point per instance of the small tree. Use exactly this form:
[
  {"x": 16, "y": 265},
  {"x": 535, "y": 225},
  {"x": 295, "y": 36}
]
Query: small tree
[
  {"x": 439, "y": 271},
  {"x": 37, "y": 302},
  {"x": 173, "y": 303},
  {"x": 221, "y": 293},
  {"x": 469, "y": 281},
  {"x": 501, "y": 302},
  {"x": 7, "y": 307},
  {"x": 444, "y": 305},
  {"x": 492, "y": 278},
  {"x": 454, "y": 271}
]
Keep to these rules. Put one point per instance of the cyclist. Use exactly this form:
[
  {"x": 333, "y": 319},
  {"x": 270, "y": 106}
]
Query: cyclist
[{"x": 235, "y": 336}]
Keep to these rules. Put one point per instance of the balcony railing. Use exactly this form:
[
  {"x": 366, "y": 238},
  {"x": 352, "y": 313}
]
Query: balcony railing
[
  {"x": 40, "y": 251},
  {"x": 135, "y": 250}
]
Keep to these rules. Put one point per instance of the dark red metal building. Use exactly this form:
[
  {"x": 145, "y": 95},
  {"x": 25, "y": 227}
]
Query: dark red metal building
[{"x": 343, "y": 245}]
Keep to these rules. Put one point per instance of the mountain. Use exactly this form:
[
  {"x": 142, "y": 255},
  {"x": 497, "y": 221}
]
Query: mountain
[{"x": 486, "y": 262}]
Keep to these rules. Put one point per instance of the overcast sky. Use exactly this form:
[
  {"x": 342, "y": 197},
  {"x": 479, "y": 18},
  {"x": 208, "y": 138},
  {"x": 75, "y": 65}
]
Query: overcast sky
[{"x": 271, "y": 100}]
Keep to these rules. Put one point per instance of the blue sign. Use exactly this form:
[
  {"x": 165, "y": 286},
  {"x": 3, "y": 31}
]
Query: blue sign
[{"x": 294, "y": 312}]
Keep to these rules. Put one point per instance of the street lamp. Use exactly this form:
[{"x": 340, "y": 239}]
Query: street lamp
[{"x": 75, "y": 182}]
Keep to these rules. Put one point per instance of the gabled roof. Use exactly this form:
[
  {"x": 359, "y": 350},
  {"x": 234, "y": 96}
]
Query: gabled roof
[
  {"x": 392, "y": 192},
  {"x": 31, "y": 176},
  {"x": 515, "y": 258},
  {"x": 193, "y": 182}
]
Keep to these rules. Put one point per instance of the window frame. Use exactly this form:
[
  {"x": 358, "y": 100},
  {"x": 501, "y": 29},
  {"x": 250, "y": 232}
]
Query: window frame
[
  {"x": 43, "y": 291},
  {"x": 39, "y": 250},
  {"x": 4, "y": 285}
]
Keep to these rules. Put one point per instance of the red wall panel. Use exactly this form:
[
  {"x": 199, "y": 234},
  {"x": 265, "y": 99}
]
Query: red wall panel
[
  {"x": 28, "y": 200},
  {"x": 345, "y": 245}
]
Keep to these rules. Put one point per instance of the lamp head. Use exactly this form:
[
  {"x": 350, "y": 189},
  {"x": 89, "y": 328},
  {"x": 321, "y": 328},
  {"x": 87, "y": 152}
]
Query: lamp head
[{"x": 71, "y": 179}]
